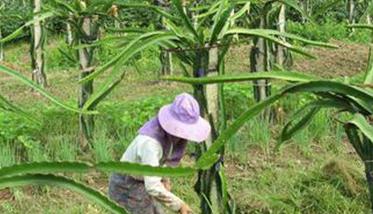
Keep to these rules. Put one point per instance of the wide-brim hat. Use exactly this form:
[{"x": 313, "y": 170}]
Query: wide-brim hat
[{"x": 182, "y": 119}]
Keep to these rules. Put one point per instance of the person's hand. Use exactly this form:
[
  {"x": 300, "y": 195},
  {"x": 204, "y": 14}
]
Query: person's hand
[
  {"x": 167, "y": 184},
  {"x": 185, "y": 209}
]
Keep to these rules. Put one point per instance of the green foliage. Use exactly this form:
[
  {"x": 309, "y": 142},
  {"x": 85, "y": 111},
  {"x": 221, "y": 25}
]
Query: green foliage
[
  {"x": 60, "y": 55},
  {"x": 143, "y": 110},
  {"x": 339, "y": 180},
  {"x": 7, "y": 154},
  {"x": 237, "y": 95},
  {"x": 279, "y": 75},
  {"x": 15, "y": 10},
  {"x": 102, "y": 148},
  {"x": 289, "y": 185},
  {"x": 61, "y": 148},
  {"x": 14, "y": 128},
  {"x": 328, "y": 31},
  {"x": 130, "y": 116}
]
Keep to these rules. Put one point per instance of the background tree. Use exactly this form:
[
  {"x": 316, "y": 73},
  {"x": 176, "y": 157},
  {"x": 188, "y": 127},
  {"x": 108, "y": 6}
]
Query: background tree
[
  {"x": 37, "y": 50},
  {"x": 165, "y": 57},
  {"x": 2, "y": 17},
  {"x": 10, "y": 19},
  {"x": 264, "y": 53},
  {"x": 280, "y": 58}
]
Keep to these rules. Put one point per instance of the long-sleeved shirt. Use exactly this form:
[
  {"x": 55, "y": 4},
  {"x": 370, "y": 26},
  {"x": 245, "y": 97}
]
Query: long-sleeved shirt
[{"x": 148, "y": 151}]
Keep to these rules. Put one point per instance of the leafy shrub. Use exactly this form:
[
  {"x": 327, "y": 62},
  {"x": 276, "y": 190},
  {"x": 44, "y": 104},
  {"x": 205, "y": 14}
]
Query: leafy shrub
[
  {"x": 60, "y": 55},
  {"x": 328, "y": 30},
  {"x": 239, "y": 96},
  {"x": 15, "y": 128},
  {"x": 7, "y": 155},
  {"x": 14, "y": 8},
  {"x": 125, "y": 118}
]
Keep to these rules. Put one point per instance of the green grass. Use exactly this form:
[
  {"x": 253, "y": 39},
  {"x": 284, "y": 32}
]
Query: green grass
[{"x": 7, "y": 154}]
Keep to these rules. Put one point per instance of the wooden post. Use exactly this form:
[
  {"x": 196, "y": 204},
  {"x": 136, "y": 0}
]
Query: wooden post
[
  {"x": 164, "y": 57},
  {"x": 351, "y": 11},
  {"x": 281, "y": 27},
  {"x": 167, "y": 66},
  {"x": 115, "y": 14},
  {"x": 208, "y": 97},
  {"x": 37, "y": 53},
  {"x": 212, "y": 94},
  {"x": 305, "y": 7},
  {"x": 1, "y": 47},
  {"x": 369, "y": 19},
  {"x": 86, "y": 56},
  {"x": 259, "y": 61},
  {"x": 369, "y": 177},
  {"x": 69, "y": 32}
]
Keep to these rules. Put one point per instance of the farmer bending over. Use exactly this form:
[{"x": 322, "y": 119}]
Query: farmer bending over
[{"x": 161, "y": 141}]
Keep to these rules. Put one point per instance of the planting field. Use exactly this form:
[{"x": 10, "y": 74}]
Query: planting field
[{"x": 285, "y": 85}]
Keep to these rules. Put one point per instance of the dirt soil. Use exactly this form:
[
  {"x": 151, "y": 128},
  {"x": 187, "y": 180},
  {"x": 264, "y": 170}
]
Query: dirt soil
[{"x": 347, "y": 60}]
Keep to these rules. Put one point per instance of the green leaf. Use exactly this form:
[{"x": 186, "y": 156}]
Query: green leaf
[
  {"x": 138, "y": 169},
  {"x": 186, "y": 20},
  {"x": 361, "y": 26},
  {"x": 39, "y": 89},
  {"x": 8, "y": 106},
  {"x": 67, "y": 55},
  {"x": 66, "y": 6},
  {"x": 134, "y": 47},
  {"x": 361, "y": 106},
  {"x": 300, "y": 39},
  {"x": 221, "y": 20},
  {"x": 79, "y": 167},
  {"x": 324, "y": 7},
  {"x": 241, "y": 12},
  {"x": 316, "y": 87},
  {"x": 292, "y": 128},
  {"x": 209, "y": 157},
  {"x": 354, "y": 138},
  {"x": 333, "y": 87},
  {"x": 308, "y": 112},
  {"x": 117, "y": 75},
  {"x": 268, "y": 35},
  {"x": 92, "y": 195},
  {"x": 38, "y": 18},
  {"x": 211, "y": 10},
  {"x": 294, "y": 4},
  {"x": 154, "y": 8},
  {"x": 280, "y": 75},
  {"x": 127, "y": 30},
  {"x": 206, "y": 162},
  {"x": 185, "y": 38},
  {"x": 363, "y": 125},
  {"x": 44, "y": 168}
]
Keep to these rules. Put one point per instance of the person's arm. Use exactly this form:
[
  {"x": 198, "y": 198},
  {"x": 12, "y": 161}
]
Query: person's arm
[{"x": 151, "y": 153}]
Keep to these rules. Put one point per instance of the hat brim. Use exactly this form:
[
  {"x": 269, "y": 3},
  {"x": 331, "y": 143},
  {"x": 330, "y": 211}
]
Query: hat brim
[{"x": 197, "y": 132}]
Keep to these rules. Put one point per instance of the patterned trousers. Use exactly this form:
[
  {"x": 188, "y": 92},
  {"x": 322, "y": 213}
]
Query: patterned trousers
[{"x": 131, "y": 195}]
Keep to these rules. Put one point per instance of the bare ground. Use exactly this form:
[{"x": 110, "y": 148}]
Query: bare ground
[{"x": 347, "y": 60}]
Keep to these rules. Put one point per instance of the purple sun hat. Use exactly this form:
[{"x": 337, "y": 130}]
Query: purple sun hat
[{"x": 182, "y": 119}]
